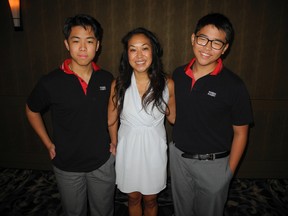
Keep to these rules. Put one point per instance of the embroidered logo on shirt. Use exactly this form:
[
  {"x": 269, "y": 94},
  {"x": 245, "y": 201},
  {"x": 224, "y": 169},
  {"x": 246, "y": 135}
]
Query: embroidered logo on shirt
[
  {"x": 102, "y": 88},
  {"x": 212, "y": 94}
]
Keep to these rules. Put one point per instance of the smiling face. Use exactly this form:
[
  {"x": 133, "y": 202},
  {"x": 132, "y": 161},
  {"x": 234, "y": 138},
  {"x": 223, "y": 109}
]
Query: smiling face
[
  {"x": 82, "y": 45},
  {"x": 140, "y": 53},
  {"x": 206, "y": 56}
]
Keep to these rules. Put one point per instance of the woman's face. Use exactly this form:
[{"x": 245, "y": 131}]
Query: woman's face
[{"x": 140, "y": 53}]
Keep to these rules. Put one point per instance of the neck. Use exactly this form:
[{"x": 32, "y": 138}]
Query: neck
[
  {"x": 200, "y": 71},
  {"x": 142, "y": 82},
  {"x": 81, "y": 71},
  {"x": 141, "y": 77}
]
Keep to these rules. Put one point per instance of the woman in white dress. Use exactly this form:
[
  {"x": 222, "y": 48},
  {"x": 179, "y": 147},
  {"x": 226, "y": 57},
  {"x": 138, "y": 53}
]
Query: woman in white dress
[{"x": 141, "y": 97}]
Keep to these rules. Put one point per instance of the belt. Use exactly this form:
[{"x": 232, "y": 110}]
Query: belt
[{"x": 211, "y": 156}]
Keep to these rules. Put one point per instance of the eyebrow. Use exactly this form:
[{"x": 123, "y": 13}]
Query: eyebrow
[
  {"x": 215, "y": 39},
  {"x": 141, "y": 45},
  {"x": 90, "y": 37}
]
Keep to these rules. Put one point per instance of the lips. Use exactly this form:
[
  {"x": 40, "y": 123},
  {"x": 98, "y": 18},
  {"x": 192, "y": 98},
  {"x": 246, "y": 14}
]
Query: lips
[
  {"x": 205, "y": 54},
  {"x": 140, "y": 62},
  {"x": 83, "y": 56}
]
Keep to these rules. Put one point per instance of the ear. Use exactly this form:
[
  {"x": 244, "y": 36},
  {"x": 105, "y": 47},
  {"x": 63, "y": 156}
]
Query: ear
[
  {"x": 97, "y": 45},
  {"x": 193, "y": 39},
  {"x": 66, "y": 45},
  {"x": 225, "y": 48}
]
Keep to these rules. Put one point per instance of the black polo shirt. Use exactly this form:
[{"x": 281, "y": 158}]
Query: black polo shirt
[
  {"x": 207, "y": 109},
  {"x": 79, "y": 120}
]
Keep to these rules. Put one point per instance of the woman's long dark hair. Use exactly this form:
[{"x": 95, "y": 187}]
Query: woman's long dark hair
[{"x": 154, "y": 93}]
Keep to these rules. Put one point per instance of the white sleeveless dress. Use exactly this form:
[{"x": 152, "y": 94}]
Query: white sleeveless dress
[{"x": 141, "y": 157}]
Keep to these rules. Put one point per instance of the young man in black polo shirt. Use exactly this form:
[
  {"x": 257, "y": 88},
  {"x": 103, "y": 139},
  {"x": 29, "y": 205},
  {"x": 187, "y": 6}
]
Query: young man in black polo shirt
[
  {"x": 213, "y": 114},
  {"x": 77, "y": 94}
]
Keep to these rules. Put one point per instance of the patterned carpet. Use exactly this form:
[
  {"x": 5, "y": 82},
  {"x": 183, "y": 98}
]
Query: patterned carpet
[{"x": 34, "y": 193}]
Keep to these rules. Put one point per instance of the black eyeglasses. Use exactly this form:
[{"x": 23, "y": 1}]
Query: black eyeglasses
[{"x": 203, "y": 41}]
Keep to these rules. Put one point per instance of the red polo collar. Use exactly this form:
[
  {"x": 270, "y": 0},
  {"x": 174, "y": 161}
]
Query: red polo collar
[
  {"x": 189, "y": 72},
  {"x": 65, "y": 67}
]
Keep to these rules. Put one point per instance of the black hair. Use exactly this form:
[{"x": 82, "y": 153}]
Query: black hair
[
  {"x": 85, "y": 21},
  {"x": 155, "y": 73},
  {"x": 220, "y": 21}
]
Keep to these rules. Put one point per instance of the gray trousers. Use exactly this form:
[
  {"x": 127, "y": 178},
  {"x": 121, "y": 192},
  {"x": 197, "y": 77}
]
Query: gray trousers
[
  {"x": 199, "y": 187},
  {"x": 98, "y": 186}
]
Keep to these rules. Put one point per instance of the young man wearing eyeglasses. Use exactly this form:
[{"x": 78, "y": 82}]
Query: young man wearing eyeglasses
[{"x": 213, "y": 114}]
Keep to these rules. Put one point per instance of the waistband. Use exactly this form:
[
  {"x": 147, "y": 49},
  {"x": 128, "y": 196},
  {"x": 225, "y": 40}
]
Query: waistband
[{"x": 210, "y": 156}]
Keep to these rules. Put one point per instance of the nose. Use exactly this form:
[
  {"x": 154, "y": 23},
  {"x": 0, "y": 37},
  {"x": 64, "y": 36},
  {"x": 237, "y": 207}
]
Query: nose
[
  {"x": 83, "y": 46},
  {"x": 139, "y": 53}
]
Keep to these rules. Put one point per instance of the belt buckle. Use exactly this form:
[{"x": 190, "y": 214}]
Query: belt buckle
[{"x": 207, "y": 157}]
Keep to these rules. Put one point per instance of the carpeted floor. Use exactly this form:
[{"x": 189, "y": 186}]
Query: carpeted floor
[{"x": 34, "y": 193}]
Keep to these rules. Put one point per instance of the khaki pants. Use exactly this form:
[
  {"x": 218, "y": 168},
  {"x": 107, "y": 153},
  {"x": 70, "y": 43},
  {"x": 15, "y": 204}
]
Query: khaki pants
[
  {"x": 199, "y": 187},
  {"x": 96, "y": 187}
]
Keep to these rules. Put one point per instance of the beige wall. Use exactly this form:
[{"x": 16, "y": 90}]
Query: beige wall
[{"x": 258, "y": 55}]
